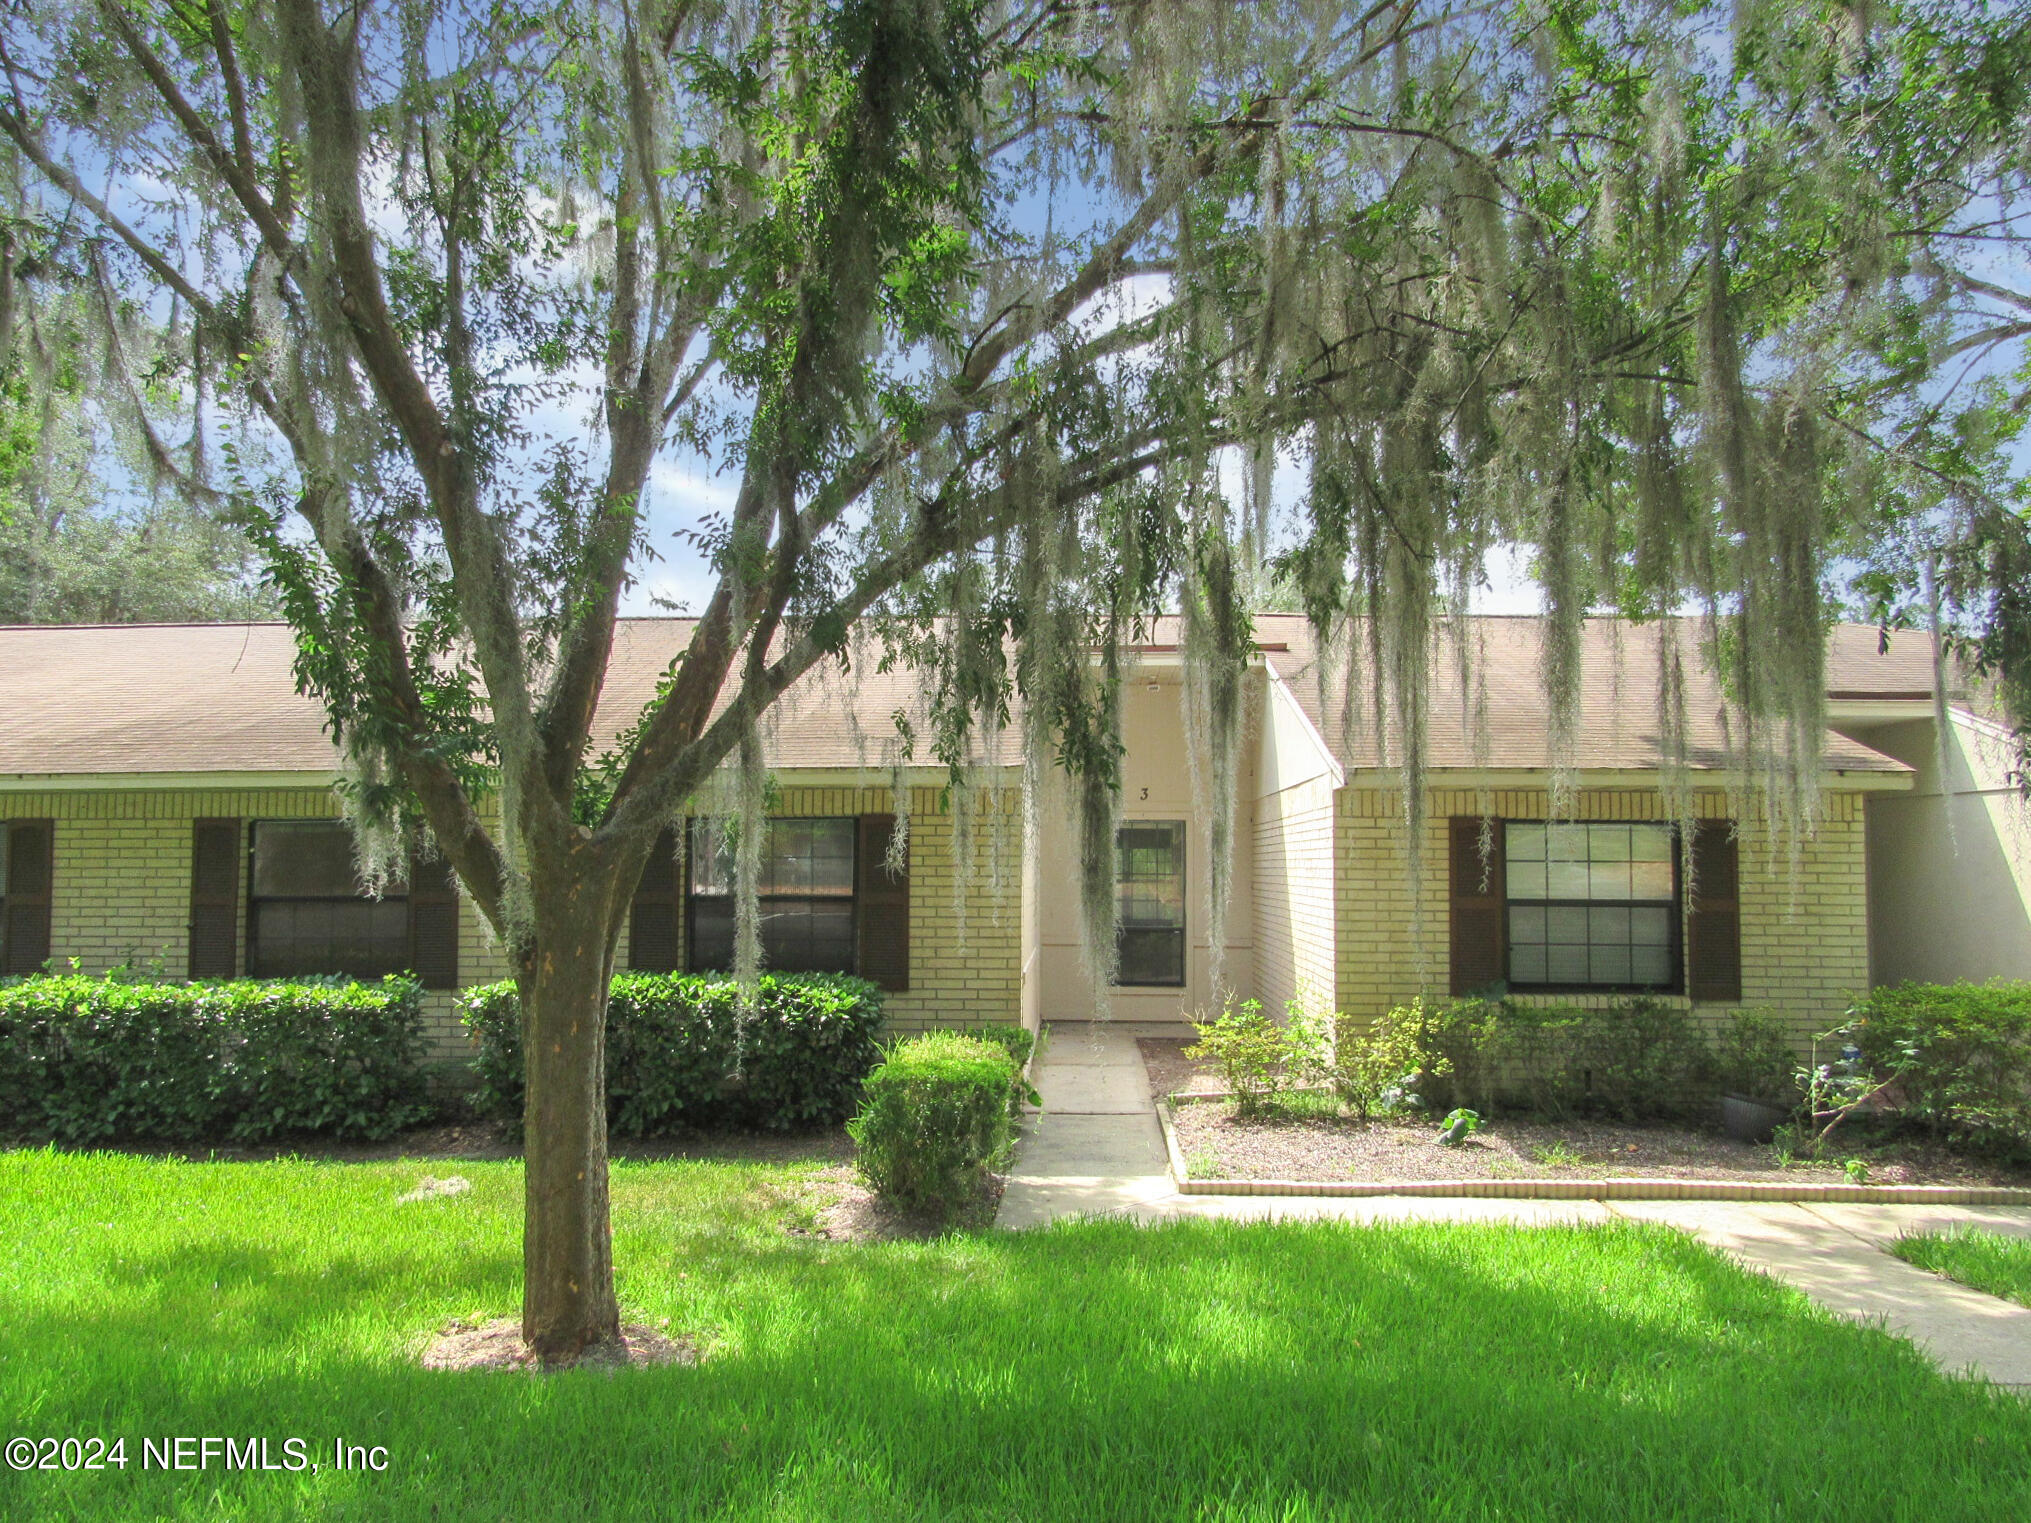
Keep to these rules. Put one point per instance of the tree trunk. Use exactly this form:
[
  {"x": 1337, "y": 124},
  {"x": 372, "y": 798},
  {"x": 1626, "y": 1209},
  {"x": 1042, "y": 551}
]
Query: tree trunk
[{"x": 568, "y": 1300}]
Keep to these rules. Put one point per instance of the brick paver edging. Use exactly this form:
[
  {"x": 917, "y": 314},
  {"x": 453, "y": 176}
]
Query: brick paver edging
[{"x": 1593, "y": 1189}]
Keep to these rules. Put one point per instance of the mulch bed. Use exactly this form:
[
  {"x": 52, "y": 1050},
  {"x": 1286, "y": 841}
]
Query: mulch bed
[{"x": 1218, "y": 1144}]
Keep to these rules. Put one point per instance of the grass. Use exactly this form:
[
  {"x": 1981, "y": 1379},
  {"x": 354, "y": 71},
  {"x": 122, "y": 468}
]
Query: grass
[
  {"x": 1989, "y": 1261},
  {"x": 1557, "y": 1155},
  {"x": 1208, "y": 1370}
]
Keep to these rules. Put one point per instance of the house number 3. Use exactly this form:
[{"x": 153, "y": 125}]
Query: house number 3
[{"x": 1145, "y": 795}]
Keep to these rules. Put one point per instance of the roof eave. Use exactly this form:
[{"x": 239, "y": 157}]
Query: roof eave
[
  {"x": 1833, "y": 779},
  {"x": 128, "y": 782}
]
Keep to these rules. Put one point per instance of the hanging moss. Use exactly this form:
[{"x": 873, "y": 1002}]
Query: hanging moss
[
  {"x": 1492, "y": 298},
  {"x": 1217, "y": 649}
]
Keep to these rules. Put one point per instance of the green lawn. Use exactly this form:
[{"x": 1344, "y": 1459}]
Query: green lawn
[
  {"x": 1990, "y": 1261},
  {"x": 1092, "y": 1371}
]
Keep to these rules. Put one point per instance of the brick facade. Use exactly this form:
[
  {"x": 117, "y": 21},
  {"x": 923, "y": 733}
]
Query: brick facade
[
  {"x": 1294, "y": 898},
  {"x": 1805, "y": 947},
  {"x": 122, "y": 892}
]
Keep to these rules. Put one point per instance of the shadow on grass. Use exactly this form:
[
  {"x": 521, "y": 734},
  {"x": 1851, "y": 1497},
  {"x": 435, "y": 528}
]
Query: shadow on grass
[{"x": 1090, "y": 1370}]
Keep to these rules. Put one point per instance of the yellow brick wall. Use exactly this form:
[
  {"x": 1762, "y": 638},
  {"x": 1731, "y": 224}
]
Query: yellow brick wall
[
  {"x": 1293, "y": 898},
  {"x": 121, "y": 893},
  {"x": 965, "y": 936},
  {"x": 1805, "y": 945},
  {"x": 121, "y": 890}
]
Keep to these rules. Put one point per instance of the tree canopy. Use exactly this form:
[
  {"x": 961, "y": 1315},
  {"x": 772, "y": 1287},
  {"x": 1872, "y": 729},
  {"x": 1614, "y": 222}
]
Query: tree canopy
[
  {"x": 1012, "y": 323},
  {"x": 72, "y": 553}
]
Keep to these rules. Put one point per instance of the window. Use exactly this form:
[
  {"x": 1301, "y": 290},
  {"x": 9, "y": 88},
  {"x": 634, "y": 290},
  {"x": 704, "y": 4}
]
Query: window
[
  {"x": 308, "y": 913},
  {"x": 1592, "y": 906},
  {"x": 1150, "y": 883},
  {"x": 805, "y": 893},
  {"x": 26, "y": 871}
]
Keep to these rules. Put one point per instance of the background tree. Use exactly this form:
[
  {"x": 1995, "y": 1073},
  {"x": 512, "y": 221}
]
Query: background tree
[
  {"x": 68, "y": 555},
  {"x": 978, "y": 302},
  {"x": 1939, "y": 379}
]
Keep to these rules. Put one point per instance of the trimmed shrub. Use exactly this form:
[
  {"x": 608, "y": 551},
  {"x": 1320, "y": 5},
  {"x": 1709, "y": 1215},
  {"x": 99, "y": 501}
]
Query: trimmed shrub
[
  {"x": 934, "y": 1120},
  {"x": 1962, "y": 1053},
  {"x": 1641, "y": 1059},
  {"x": 1015, "y": 1040},
  {"x": 1756, "y": 1060},
  {"x": 1480, "y": 1053},
  {"x": 680, "y": 1055},
  {"x": 1633, "y": 1059},
  {"x": 89, "y": 1060}
]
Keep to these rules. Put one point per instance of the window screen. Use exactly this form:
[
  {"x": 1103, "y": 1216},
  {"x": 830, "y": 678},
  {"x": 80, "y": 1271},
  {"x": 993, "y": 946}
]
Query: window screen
[{"x": 1592, "y": 906}]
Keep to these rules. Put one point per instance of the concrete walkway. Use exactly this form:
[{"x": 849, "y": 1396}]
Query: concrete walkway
[{"x": 1097, "y": 1148}]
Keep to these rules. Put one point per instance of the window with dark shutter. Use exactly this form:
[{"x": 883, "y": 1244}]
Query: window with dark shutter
[
  {"x": 882, "y": 908},
  {"x": 214, "y": 898},
  {"x": 26, "y": 881},
  {"x": 1713, "y": 931},
  {"x": 1477, "y": 883},
  {"x": 1592, "y": 905},
  {"x": 433, "y": 923},
  {"x": 308, "y": 912},
  {"x": 804, "y": 895},
  {"x": 654, "y": 942}
]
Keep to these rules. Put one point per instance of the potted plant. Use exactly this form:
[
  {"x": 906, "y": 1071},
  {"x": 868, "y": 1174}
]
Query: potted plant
[{"x": 1758, "y": 1076}]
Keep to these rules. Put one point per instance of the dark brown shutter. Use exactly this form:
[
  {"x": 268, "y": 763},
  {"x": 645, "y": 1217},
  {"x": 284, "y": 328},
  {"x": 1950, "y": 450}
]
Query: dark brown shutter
[
  {"x": 1713, "y": 928},
  {"x": 1478, "y": 922},
  {"x": 654, "y": 942},
  {"x": 433, "y": 923},
  {"x": 30, "y": 874},
  {"x": 214, "y": 898},
  {"x": 881, "y": 908}
]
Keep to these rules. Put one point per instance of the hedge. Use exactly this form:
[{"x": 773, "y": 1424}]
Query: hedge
[
  {"x": 1631, "y": 1059},
  {"x": 681, "y": 1055},
  {"x": 937, "y": 1116},
  {"x": 88, "y": 1060},
  {"x": 1961, "y": 1053}
]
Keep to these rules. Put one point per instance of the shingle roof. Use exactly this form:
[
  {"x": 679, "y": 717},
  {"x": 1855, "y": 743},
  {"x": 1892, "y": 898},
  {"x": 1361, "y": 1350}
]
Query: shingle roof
[
  {"x": 220, "y": 698},
  {"x": 1619, "y": 683},
  {"x": 156, "y": 698}
]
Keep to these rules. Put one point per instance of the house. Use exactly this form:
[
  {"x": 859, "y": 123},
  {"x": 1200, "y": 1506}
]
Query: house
[{"x": 168, "y": 802}]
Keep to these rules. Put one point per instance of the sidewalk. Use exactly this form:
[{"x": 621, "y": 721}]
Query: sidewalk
[{"x": 1097, "y": 1148}]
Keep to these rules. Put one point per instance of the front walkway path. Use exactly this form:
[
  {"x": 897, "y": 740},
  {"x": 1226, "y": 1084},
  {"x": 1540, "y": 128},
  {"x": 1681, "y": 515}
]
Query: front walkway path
[{"x": 1097, "y": 1148}]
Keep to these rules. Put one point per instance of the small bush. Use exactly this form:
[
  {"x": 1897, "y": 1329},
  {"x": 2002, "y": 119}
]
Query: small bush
[
  {"x": 680, "y": 1054},
  {"x": 89, "y": 1060},
  {"x": 1479, "y": 1053},
  {"x": 934, "y": 1120},
  {"x": 1754, "y": 1059},
  {"x": 1015, "y": 1040},
  {"x": 1253, "y": 1052},
  {"x": 1379, "y": 1071},
  {"x": 1962, "y": 1053}
]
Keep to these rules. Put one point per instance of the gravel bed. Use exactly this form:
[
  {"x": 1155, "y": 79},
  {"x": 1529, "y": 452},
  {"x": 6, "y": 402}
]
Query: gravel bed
[{"x": 1217, "y": 1144}]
